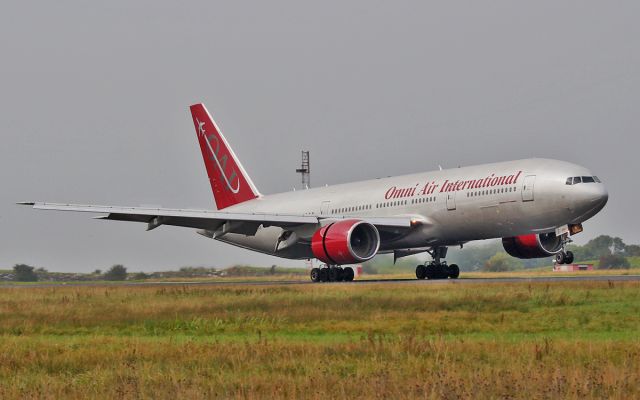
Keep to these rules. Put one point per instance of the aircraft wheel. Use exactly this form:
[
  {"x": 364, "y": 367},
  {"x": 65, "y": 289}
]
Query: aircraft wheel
[
  {"x": 333, "y": 274},
  {"x": 348, "y": 274},
  {"x": 442, "y": 271},
  {"x": 421, "y": 272},
  {"x": 560, "y": 258},
  {"x": 569, "y": 257},
  {"x": 324, "y": 274},
  {"x": 339, "y": 274},
  {"x": 454, "y": 271},
  {"x": 315, "y": 275},
  {"x": 431, "y": 272}
]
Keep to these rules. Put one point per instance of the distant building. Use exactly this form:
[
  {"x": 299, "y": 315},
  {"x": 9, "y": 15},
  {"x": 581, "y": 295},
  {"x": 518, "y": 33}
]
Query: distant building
[{"x": 572, "y": 267}]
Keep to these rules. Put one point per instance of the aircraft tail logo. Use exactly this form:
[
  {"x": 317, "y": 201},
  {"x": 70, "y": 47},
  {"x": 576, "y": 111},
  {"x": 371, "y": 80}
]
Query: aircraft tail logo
[{"x": 229, "y": 181}]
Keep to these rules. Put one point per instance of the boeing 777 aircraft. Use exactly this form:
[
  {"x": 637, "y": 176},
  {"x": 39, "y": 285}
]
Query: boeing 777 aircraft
[{"x": 534, "y": 205}]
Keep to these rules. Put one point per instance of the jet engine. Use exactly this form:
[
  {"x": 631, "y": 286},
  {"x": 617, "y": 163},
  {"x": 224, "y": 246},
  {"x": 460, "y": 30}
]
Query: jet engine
[
  {"x": 532, "y": 245},
  {"x": 345, "y": 242}
]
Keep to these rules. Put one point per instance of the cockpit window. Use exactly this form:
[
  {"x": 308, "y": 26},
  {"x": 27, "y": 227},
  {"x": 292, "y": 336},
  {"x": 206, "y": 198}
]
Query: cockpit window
[{"x": 582, "y": 179}]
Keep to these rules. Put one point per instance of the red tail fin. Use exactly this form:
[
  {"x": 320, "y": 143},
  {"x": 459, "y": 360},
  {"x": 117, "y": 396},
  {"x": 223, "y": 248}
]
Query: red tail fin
[{"x": 229, "y": 181}]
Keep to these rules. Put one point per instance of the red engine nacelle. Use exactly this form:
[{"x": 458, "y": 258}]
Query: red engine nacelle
[
  {"x": 345, "y": 242},
  {"x": 532, "y": 245}
]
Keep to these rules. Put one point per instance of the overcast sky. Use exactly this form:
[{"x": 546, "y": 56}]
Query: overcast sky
[{"x": 94, "y": 103}]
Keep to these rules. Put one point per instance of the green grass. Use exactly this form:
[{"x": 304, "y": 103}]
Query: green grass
[{"x": 524, "y": 340}]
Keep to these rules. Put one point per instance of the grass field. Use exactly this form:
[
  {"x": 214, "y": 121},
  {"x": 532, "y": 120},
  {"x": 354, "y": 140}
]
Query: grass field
[{"x": 523, "y": 340}]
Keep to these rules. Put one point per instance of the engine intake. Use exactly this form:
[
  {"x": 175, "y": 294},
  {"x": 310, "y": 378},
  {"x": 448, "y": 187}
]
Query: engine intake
[
  {"x": 345, "y": 242},
  {"x": 532, "y": 245}
]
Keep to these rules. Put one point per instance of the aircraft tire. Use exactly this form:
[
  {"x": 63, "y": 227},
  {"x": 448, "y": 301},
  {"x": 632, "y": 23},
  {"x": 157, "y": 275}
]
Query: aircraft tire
[
  {"x": 421, "y": 272},
  {"x": 454, "y": 271},
  {"x": 560, "y": 258},
  {"x": 431, "y": 272},
  {"x": 348, "y": 274},
  {"x": 569, "y": 257},
  {"x": 324, "y": 274},
  {"x": 334, "y": 274},
  {"x": 315, "y": 274}
]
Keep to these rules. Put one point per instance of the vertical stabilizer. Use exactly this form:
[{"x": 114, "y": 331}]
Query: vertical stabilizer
[{"x": 229, "y": 181}]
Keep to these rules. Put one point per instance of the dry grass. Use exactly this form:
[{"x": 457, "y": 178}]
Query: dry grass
[{"x": 539, "y": 340}]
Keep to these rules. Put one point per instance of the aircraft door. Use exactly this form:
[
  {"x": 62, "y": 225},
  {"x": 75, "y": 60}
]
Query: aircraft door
[
  {"x": 324, "y": 207},
  {"x": 451, "y": 200},
  {"x": 527, "y": 187}
]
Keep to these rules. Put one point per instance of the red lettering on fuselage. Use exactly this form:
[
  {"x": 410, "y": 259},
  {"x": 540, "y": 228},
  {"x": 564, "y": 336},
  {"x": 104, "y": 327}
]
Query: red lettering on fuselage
[{"x": 448, "y": 186}]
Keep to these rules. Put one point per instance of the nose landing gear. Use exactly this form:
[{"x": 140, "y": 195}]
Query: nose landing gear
[
  {"x": 564, "y": 256},
  {"x": 437, "y": 269}
]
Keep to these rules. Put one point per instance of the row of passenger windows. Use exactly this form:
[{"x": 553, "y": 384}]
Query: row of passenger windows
[
  {"x": 395, "y": 203},
  {"x": 491, "y": 191},
  {"x": 582, "y": 179},
  {"x": 424, "y": 200},
  {"x": 430, "y": 199},
  {"x": 351, "y": 209},
  {"x": 392, "y": 204}
]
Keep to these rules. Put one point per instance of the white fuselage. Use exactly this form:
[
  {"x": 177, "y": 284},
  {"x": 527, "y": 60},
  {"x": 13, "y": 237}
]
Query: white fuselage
[{"x": 453, "y": 206}]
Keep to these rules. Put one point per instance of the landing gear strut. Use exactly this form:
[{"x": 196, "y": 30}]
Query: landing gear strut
[
  {"x": 437, "y": 269},
  {"x": 332, "y": 273}
]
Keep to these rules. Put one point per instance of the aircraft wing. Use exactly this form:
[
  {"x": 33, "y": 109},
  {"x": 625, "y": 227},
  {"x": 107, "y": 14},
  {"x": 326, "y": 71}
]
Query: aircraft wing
[{"x": 224, "y": 222}]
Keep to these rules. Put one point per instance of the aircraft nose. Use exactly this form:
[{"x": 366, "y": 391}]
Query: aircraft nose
[
  {"x": 598, "y": 195},
  {"x": 603, "y": 196},
  {"x": 591, "y": 198}
]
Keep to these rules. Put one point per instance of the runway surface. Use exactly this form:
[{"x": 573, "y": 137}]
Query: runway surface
[{"x": 463, "y": 281}]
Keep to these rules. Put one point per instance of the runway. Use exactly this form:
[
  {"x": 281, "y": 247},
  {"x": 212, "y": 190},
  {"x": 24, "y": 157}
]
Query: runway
[{"x": 461, "y": 281}]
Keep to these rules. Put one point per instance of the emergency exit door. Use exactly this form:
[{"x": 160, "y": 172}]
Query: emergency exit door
[{"x": 451, "y": 201}]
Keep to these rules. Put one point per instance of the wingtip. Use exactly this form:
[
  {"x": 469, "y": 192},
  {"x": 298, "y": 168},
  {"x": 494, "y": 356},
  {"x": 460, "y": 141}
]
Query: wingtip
[{"x": 26, "y": 203}]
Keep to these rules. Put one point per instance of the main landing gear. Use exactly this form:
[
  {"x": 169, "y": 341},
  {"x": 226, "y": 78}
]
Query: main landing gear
[
  {"x": 437, "y": 269},
  {"x": 332, "y": 273}
]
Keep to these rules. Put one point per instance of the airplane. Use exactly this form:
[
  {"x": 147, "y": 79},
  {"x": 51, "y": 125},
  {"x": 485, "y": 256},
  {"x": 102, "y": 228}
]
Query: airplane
[{"x": 534, "y": 205}]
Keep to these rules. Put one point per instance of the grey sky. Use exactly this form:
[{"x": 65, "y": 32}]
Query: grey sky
[{"x": 94, "y": 103}]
